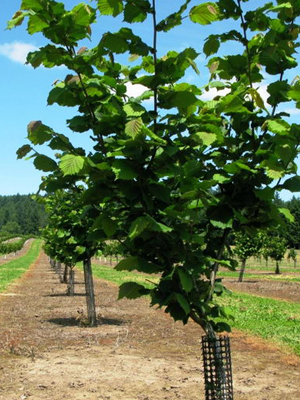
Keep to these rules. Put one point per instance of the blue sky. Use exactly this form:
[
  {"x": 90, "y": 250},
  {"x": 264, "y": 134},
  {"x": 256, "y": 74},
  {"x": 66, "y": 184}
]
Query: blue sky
[{"x": 24, "y": 90}]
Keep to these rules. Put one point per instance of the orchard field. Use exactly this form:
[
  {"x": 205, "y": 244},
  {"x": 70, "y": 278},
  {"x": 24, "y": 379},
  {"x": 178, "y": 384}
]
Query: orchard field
[{"x": 135, "y": 352}]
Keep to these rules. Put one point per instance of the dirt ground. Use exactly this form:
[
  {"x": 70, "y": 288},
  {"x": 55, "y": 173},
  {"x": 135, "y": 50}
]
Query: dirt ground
[{"x": 135, "y": 353}]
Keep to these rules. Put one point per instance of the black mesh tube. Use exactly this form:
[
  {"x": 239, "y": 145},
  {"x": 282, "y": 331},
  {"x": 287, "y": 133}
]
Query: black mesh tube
[{"x": 217, "y": 368}]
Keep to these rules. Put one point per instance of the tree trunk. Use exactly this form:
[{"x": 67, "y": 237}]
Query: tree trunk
[
  {"x": 277, "y": 270},
  {"x": 89, "y": 290},
  {"x": 65, "y": 276},
  {"x": 295, "y": 263},
  {"x": 70, "y": 291},
  {"x": 242, "y": 271}
]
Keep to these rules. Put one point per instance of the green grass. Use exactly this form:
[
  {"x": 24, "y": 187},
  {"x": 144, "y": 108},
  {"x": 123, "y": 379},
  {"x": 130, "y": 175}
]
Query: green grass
[
  {"x": 281, "y": 278},
  {"x": 274, "y": 320},
  {"x": 119, "y": 277},
  {"x": 16, "y": 268}
]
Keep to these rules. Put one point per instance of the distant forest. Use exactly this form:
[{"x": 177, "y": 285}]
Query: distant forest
[{"x": 19, "y": 214}]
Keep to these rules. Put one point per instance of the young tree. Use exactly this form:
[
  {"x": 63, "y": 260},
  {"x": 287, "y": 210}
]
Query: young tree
[
  {"x": 277, "y": 250},
  {"x": 67, "y": 239},
  {"x": 292, "y": 254},
  {"x": 153, "y": 172},
  {"x": 246, "y": 247}
]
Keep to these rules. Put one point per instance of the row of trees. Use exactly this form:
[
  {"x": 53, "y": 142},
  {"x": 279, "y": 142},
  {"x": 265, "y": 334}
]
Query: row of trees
[
  {"x": 7, "y": 247},
  {"x": 264, "y": 244},
  {"x": 154, "y": 170},
  {"x": 21, "y": 215}
]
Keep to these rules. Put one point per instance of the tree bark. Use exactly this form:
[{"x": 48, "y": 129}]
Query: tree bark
[
  {"x": 71, "y": 281},
  {"x": 242, "y": 271},
  {"x": 277, "y": 270},
  {"x": 65, "y": 276},
  {"x": 89, "y": 291}
]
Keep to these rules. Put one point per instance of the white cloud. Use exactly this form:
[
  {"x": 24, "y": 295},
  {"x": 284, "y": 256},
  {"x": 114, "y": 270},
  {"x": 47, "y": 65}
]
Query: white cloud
[
  {"x": 17, "y": 51},
  {"x": 135, "y": 90},
  {"x": 213, "y": 92},
  {"x": 292, "y": 111}
]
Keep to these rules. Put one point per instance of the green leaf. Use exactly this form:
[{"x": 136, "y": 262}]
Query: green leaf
[
  {"x": 292, "y": 184},
  {"x": 134, "y": 110},
  {"x": 136, "y": 11},
  {"x": 134, "y": 127},
  {"x": 207, "y": 138},
  {"x": 39, "y": 133},
  {"x": 109, "y": 226},
  {"x": 123, "y": 170},
  {"x": 205, "y": 13},
  {"x": 36, "y": 24},
  {"x": 286, "y": 212},
  {"x": 138, "y": 226},
  {"x": 183, "y": 99},
  {"x": 211, "y": 46},
  {"x": 148, "y": 132},
  {"x": 185, "y": 280},
  {"x": 139, "y": 264},
  {"x": 71, "y": 164},
  {"x": 80, "y": 249},
  {"x": 157, "y": 226},
  {"x": 45, "y": 163},
  {"x": 110, "y": 7},
  {"x": 114, "y": 43},
  {"x": 23, "y": 151},
  {"x": 17, "y": 19},
  {"x": 279, "y": 127},
  {"x": 183, "y": 303},
  {"x": 131, "y": 290},
  {"x": 220, "y": 217},
  {"x": 222, "y": 327}
]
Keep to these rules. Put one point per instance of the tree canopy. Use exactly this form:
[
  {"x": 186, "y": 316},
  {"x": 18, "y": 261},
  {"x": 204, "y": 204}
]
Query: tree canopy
[{"x": 153, "y": 170}]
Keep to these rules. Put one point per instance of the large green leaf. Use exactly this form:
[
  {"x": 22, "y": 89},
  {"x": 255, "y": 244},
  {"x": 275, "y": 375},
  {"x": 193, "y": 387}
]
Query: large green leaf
[
  {"x": 38, "y": 133},
  {"x": 124, "y": 170},
  {"x": 71, "y": 164},
  {"x": 138, "y": 226},
  {"x": 131, "y": 290},
  {"x": 45, "y": 163},
  {"x": 24, "y": 150},
  {"x": 292, "y": 184},
  {"x": 137, "y": 263},
  {"x": 207, "y": 138},
  {"x": 109, "y": 226},
  {"x": 184, "y": 304},
  {"x": 134, "y": 127},
  {"x": 278, "y": 126},
  {"x": 136, "y": 11},
  {"x": 205, "y": 13},
  {"x": 185, "y": 280},
  {"x": 286, "y": 212},
  {"x": 110, "y": 7}
]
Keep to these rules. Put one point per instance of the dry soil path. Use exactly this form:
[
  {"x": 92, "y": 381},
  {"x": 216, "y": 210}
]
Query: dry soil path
[{"x": 136, "y": 353}]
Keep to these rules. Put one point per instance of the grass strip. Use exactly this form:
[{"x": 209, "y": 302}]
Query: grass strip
[
  {"x": 16, "y": 268},
  {"x": 274, "y": 320},
  {"x": 119, "y": 277},
  {"x": 279, "y": 278}
]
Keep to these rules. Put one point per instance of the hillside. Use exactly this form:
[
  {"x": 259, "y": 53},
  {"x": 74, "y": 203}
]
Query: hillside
[{"x": 20, "y": 214}]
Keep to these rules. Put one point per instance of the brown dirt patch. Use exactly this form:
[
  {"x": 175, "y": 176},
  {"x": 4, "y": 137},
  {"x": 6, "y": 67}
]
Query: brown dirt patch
[
  {"x": 136, "y": 352},
  {"x": 289, "y": 291}
]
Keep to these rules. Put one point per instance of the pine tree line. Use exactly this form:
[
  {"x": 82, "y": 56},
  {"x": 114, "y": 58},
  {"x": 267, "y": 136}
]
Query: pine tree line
[{"x": 21, "y": 215}]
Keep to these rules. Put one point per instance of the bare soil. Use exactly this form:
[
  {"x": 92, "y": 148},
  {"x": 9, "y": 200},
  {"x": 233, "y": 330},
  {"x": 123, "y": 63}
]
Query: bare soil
[
  {"x": 289, "y": 291},
  {"x": 135, "y": 353}
]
